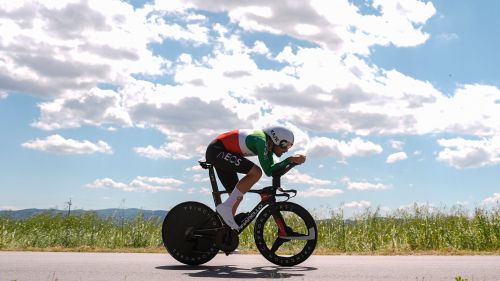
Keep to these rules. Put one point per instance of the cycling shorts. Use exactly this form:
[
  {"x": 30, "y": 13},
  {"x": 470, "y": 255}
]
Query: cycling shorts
[{"x": 227, "y": 164}]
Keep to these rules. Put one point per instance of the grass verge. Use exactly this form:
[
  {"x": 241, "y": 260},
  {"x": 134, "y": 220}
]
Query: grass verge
[{"x": 416, "y": 231}]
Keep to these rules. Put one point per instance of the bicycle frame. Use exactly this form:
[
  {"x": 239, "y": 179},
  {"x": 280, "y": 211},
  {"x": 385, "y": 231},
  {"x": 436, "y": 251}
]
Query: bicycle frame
[{"x": 267, "y": 194}]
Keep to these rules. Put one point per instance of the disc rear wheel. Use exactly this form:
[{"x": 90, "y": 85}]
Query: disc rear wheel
[{"x": 188, "y": 233}]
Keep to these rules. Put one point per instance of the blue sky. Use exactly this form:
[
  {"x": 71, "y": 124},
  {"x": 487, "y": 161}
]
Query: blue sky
[{"x": 111, "y": 105}]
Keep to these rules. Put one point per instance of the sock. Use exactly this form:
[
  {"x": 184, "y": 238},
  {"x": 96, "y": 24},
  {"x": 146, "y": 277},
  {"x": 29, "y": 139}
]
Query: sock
[{"x": 232, "y": 198}]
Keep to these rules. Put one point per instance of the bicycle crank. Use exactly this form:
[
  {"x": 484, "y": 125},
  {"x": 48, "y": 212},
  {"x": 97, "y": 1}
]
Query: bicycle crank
[{"x": 227, "y": 240}]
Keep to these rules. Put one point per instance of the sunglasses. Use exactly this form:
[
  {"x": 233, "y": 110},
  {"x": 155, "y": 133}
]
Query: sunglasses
[{"x": 285, "y": 144}]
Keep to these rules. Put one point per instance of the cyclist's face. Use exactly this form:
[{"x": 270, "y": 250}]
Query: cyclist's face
[{"x": 278, "y": 150}]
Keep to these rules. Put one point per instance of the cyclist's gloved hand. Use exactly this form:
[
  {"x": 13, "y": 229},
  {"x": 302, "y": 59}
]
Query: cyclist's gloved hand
[{"x": 297, "y": 159}]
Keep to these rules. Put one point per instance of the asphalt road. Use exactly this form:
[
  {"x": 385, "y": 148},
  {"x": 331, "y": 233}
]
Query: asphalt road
[{"x": 22, "y": 266}]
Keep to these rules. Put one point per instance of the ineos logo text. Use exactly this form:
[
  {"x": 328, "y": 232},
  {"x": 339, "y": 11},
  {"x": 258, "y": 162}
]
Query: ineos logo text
[{"x": 233, "y": 159}]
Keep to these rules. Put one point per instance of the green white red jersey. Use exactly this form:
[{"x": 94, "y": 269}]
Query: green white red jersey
[{"x": 251, "y": 143}]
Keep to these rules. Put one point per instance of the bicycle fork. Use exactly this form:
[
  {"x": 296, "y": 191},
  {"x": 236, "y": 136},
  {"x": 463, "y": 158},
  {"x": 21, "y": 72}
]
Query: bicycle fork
[{"x": 280, "y": 222}]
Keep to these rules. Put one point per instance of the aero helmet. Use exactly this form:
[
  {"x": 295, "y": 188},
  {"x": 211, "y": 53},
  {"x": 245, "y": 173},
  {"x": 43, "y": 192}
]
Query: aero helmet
[{"x": 280, "y": 136}]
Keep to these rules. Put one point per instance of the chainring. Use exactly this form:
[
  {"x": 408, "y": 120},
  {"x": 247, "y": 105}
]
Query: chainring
[{"x": 227, "y": 240}]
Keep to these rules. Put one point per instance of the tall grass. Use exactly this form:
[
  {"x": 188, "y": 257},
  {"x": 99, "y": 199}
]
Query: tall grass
[
  {"x": 88, "y": 230},
  {"x": 418, "y": 229}
]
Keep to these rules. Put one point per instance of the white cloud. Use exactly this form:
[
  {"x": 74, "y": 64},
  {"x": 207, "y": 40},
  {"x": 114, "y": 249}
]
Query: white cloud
[
  {"x": 151, "y": 184},
  {"x": 295, "y": 177},
  {"x": 328, "y": 147},
  {"x": 396, "y": 157},
  {"x": 320, "y": 192},
  {"x": 51, "y": 49},
  {"x": 260, "y": 47},
  {"x": 3, "y": 95},
  {"x": 200, "y": 178},
  {"x": 398, "y": 145},
  {"x": 461, "y": 153},
  {"x": 224, "y": 80},
  {"x": 202, "y": 190},
  {"x": 170, "y": 150},
  {"x": 357, "y": 204},
  {"x": 94, "y": 107},
  {"x": 473, "y": 110},
  {"x": 362, "y": 185},
  {"x": 495, "y": 199},
  {"x": 340, "y": 27},
  {"x": 59, "y": 145},
  {"x": 196, "y": 168}
]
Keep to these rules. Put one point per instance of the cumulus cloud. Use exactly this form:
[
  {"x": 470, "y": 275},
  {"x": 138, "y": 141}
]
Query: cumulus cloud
[
  {"x": 328, "y": 147},
  {"x": 320, "y": 192},
  {"x": 398, "y": 145},
  {"x": 462, "y": 153},
  {"x": 297, "y": 177},
  {"x": 94, "y": 107},
  {"x": 495, "y": 199},
  {"x": 473, "y": 110},
  {"x": 321, "y": 83},
  {"x": 3, "y": 95},
  {"x": 196, "y": 168},
  {"x": 50, "y": 49},
  {"x": 396, "y": 157},
  {"x": 341, "y": 28},
  {"x": 357, "y": 204},
  {"x": 353, "y": 185},
  {"x": 59, "y": 145},
  {"x": 150, "y": 184}
]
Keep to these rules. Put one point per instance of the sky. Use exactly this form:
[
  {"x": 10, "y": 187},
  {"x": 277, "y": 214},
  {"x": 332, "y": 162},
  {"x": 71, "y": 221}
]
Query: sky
[{"x": 110, "y": 104}]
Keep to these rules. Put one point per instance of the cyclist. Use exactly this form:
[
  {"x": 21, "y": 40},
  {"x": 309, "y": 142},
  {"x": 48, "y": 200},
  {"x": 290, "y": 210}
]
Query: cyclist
[{"x": 227, "y": 154}]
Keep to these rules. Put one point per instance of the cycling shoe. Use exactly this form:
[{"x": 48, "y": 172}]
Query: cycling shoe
[{"x": 227, "y": 215}]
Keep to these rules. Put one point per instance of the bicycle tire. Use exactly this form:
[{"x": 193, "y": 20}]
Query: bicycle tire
[
  {"x": 177, "y": 233},
  {"x": 265, "y": 226}
]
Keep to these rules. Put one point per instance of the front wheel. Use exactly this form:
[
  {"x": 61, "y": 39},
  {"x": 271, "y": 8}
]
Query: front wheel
[
  {"x": 188, "y": 233},
  {"x": 285, "y": 233}
]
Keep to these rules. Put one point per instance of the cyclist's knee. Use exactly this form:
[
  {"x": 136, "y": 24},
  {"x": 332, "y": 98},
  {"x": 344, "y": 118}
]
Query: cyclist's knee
[{"x": 256, "y": 172}]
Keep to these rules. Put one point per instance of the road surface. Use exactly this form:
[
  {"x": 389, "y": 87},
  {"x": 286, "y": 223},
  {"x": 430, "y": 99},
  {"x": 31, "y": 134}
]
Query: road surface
[{"x": 22, "y": 266}]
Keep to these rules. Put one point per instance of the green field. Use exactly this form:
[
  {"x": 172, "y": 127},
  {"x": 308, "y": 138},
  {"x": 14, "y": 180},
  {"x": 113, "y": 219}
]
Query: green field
[{"x": 417, "y": 230}]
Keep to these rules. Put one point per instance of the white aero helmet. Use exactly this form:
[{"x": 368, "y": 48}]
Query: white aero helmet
[{"x": 281, "y": 136}]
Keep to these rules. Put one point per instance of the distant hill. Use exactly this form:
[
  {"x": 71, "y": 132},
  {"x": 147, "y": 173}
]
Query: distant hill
[{"x": 104, "y": 213}]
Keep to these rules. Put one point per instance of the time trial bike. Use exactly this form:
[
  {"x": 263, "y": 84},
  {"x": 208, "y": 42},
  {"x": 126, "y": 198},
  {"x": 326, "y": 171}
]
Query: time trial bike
[{"x": 285, "y": 233}]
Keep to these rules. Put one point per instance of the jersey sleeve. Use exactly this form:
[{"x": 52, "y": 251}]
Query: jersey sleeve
[{"x": 266, "y": 158}]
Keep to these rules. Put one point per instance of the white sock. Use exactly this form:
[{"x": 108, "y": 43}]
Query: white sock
[{"x": 233, "y": 197}]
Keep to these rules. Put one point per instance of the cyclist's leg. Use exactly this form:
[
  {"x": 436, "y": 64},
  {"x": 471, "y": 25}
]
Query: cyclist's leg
[
  {"x": 251, "y": 178},
  {"x": 246, "y": 183},
  {"x": 227, "y": 165},
  {"x": 229, "y": 179}
]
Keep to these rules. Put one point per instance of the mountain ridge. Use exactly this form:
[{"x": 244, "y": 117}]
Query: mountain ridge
[{"x": 116, "y": 213}]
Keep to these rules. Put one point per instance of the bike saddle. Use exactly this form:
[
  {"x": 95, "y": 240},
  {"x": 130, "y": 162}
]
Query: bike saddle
[{"x": 204, "y": 164}]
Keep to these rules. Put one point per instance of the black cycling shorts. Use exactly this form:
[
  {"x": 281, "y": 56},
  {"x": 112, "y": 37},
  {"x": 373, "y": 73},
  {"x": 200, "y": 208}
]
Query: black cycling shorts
[{"x": 227, "y": 164}]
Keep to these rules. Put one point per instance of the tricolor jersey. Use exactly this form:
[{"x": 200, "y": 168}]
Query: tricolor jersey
[{"x": 251, "y": 143}]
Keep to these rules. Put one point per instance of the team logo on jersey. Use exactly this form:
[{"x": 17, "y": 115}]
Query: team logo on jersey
[{"x": 233, "y": 159}]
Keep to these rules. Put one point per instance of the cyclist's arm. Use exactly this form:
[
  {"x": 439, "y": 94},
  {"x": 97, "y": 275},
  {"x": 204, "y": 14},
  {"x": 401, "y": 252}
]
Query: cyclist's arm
[{"x": 266, "y": 160}]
